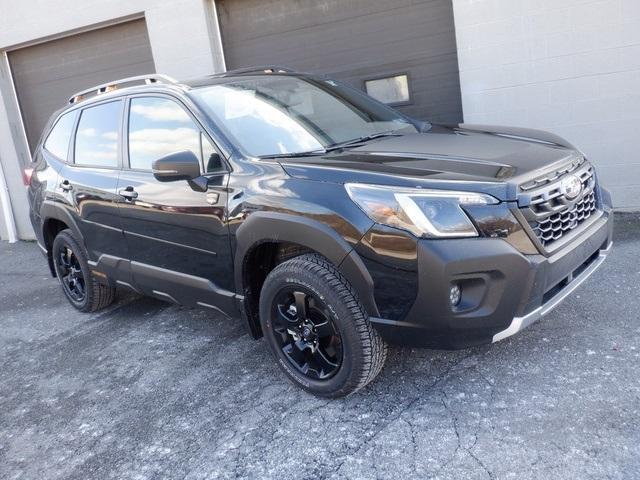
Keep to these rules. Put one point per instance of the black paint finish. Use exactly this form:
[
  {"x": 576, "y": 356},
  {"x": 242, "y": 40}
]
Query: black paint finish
[
  {"x": 211, "y": 241},
  {"x": 447, "y": 157}
]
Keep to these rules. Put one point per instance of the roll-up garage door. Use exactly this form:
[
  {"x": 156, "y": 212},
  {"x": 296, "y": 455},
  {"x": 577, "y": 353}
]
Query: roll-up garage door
[
  {"x": 354, "y": 41},
  {"x": 47, "y": 74}
]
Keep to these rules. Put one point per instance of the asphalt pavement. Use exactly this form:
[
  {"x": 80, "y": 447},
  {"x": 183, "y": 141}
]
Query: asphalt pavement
[{"x": 149, "y": 390}]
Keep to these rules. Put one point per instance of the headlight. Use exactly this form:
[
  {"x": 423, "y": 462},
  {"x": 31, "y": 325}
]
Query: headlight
[{"x": 425, "y": 213}]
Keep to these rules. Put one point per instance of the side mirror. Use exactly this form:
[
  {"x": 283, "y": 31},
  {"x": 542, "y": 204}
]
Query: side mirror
[{"x": 177, "y": 166}]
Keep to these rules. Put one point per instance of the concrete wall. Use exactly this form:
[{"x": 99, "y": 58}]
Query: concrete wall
[
  {"x": 184, "y": 43},
  {"x": 12, "y": 144},
  {"x": 179, "y": 31},
  {"x": 570, "y": 66}
]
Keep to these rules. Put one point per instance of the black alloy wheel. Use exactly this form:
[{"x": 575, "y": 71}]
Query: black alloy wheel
[
  {"x": 306, "y": 334},
  {"x": 317, "y": 330},
  {"x": 81, "y": 287},
  {"x": 70, "y": 273}
]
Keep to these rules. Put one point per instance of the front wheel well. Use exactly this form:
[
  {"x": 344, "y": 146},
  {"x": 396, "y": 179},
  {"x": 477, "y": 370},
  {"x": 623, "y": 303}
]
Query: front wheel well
[
  {"x": 257, "y": 264},
  {"x": 50, "y": 229}
]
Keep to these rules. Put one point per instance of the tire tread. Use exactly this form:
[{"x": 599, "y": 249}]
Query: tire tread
[
  {"x": 100, "y": 294},
  {"x": 373, "y": 346}
]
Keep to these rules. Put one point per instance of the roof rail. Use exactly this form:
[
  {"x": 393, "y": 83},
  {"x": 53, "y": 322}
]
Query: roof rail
[
  {"x": 258, "y": 69},
  {"x": 114, "y": 85}
]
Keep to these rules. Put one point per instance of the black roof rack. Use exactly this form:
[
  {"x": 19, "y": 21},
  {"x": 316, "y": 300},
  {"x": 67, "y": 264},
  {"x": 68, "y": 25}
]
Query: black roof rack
[{"x": 258, "y": 69}]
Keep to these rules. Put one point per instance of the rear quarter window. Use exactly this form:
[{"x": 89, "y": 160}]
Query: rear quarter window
[{"x": 57, "y": 142}]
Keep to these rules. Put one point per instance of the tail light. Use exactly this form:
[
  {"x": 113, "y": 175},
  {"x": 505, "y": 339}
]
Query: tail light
[{"x": 27, "y": 173}]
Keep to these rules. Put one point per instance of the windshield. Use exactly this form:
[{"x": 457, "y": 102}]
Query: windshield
[{"x": 271, "y": 115}]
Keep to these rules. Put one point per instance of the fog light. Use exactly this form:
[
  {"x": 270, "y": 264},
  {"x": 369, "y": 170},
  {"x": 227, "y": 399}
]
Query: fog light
[{"x": 454, "y": 295}]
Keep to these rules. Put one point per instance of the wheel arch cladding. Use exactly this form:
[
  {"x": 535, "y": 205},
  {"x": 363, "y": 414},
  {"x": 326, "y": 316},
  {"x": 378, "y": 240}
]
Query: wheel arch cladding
[
  {"x": 310, "y": 236},
  {"x": 50, "y": 212},
  {"x": 54, "y": 220}
]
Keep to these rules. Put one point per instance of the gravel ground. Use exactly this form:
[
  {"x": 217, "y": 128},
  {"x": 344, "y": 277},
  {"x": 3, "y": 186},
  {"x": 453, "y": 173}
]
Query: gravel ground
[{"x": 149, "y": 390}]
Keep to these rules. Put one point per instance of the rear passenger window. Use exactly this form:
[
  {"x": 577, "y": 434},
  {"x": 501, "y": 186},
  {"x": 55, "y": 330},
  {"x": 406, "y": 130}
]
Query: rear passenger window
[
  {"x": 57, "y": 143},
  {"x": 159, "y": 127},
  {"x": 97, "y": 135}
]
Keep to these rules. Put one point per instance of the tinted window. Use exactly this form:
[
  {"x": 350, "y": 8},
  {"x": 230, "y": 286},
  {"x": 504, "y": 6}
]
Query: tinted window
[
  {"x": 97, "y": 135},
  {"x": 57, "y": 142},
  {"x": 159, "y": 127}
]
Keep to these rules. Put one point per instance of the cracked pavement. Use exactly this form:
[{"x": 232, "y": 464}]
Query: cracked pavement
[{"x": 150, "y": 390}]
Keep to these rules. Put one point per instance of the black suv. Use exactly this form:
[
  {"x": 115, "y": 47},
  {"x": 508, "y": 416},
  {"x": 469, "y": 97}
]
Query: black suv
[{"x": 329, "y": 222}]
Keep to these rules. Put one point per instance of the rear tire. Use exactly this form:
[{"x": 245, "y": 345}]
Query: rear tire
[
  {"x": 78, "y": 283},
  {"x": 330, "y": 349}
]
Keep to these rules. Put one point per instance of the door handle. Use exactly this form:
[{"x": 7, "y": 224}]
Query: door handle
[
  {"x": 128, "y": 193},
  {"x": 212, "y": 198},
  {"x": 66, "y": 186}
]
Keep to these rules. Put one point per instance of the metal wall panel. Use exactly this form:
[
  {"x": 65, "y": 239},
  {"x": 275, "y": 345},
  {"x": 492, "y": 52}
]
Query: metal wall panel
[
  {"x": 47, "y": 74},
  {"x": 353, "y": 40}
]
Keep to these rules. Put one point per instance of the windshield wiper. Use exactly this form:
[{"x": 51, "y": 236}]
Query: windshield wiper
[
  {"x": 332, "y": 147},
  {"x": 310, "y": 153},
  {"x": 356, "y": 141}
]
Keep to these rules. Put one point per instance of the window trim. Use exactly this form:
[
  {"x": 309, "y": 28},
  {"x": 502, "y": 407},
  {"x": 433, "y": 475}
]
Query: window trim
[
  {"x": 118, "y": 165},
  {"x": 126, "y": 164}
]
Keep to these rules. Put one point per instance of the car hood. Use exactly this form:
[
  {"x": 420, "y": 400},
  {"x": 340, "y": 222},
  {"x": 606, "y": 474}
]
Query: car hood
[{"x": 489, "y": 159}]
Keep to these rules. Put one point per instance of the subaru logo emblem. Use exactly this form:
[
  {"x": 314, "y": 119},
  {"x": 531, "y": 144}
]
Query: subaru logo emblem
[{"x": 571, "y": 186}]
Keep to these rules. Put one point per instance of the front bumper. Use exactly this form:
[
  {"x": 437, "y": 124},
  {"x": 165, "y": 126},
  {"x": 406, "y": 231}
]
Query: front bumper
[
  {"x": 504, "y": 291},
  {"x": 573, "y": 282}
]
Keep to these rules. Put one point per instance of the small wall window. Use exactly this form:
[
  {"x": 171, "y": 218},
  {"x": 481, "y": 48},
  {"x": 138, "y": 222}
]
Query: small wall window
[
  {"x": 57, "y": 142},
  {"x": 392, "y": 90}
]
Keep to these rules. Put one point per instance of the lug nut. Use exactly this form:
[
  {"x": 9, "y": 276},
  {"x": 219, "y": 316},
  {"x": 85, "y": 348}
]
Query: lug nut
[{"x": 455, "y": 294}]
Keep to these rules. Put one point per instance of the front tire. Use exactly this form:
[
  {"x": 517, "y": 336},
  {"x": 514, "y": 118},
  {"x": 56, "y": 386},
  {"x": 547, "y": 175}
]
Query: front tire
[
  {"x": 78, "y": 283},
  {"x": 317, "y": 329}
]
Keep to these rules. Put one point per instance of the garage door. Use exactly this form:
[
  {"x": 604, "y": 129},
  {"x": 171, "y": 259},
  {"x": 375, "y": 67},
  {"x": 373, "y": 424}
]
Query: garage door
[
  {"x": 353, "y": 41},
  {"x": 47, "y": 74}
]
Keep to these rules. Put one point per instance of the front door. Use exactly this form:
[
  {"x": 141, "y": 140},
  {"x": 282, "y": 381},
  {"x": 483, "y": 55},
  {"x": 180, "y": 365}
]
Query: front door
[{"x": 176, "y": 233}]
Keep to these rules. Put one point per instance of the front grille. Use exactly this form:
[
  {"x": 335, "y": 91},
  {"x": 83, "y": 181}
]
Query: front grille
[
  {"x": 552, "y": 176},
  {"x": 552, "y": 199},
  {"x": 555, "y": 226},
  {"x": 550, "y": 213}
]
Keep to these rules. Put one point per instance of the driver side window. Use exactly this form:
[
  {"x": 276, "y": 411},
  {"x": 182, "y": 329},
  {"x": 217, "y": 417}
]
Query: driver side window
[{"x": 159, "y": 126}]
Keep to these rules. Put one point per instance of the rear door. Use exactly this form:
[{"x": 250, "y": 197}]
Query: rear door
[
  {"x": 88, "y": 184},
  {"x": 176, "y": 233}
]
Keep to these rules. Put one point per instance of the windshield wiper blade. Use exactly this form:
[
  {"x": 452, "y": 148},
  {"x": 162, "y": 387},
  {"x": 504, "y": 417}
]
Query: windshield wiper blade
[
  {"x": 330, "y": 148},
  {"x": 311, "y": 153},
  {"x": 356, "y": 141}
]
